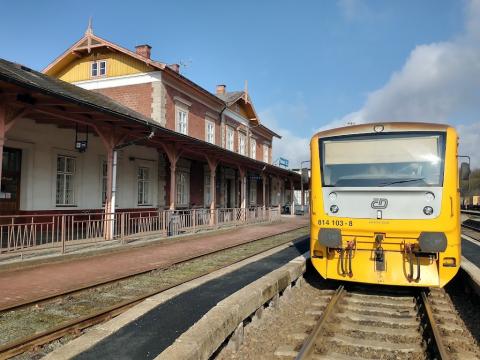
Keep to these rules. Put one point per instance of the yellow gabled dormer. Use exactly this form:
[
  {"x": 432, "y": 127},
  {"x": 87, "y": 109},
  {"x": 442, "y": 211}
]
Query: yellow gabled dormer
[{"x": 93, "y": 58}]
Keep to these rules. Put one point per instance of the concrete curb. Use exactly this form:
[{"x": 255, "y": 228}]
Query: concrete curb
[
  {"x": 102, "y": 331},
  {"x": 227, "y": 317}
]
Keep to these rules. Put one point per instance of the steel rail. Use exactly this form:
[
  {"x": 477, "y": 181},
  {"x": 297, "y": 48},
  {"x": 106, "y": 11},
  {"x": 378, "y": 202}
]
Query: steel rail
[
  {"x": 438, "y": 344},
  {"x": 470, "y": 212},
  {"x": 43, "y": 299},
  {"x": 76, "y": 325},
  {"x": 470, "y": 227},
  {"x": 308, "y": 346}
]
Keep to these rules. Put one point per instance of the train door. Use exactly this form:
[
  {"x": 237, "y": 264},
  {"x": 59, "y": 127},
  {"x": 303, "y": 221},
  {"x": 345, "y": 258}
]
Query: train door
[
  {"x": 10, "y": 184},
  {"x": 229, "y": 193}
]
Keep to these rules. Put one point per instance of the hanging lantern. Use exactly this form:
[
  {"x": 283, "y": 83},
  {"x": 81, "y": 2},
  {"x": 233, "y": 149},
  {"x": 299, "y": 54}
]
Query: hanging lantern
[{"x": 81, "y": 143}]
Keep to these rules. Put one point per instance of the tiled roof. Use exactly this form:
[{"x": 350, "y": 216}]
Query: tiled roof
[
  {"x": 24, "y": 76},
  {"x": 230, "y": 97}
]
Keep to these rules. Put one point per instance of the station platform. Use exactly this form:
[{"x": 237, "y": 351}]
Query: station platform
[
  {"x": 471, "y": 260},
  {"x": 32, "y": 283}
]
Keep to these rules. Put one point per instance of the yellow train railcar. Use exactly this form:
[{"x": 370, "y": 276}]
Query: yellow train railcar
[{"x": 385, "y": 204}]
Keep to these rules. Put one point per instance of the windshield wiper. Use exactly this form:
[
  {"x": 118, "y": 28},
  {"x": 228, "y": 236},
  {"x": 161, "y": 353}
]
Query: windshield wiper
[{"x": 400, "y": 182}]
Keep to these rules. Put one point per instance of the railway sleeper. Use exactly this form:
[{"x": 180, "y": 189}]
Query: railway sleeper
[
  {"x": 434, "y": 300},
  {"x": 451, "y": 328},
  {"x": 464, "y": 355},
  {"x": 337, "y": 356},
  {"x": 376, "y": 320},
  {"x": 378, "y": 312},
  {"x": 410, "y": 333},
  {"x": 379, "y": 346},
  {"x": 376, "y": 307},
  {"x": 381, "y": 298},
  {"x": 446, "y": 318},
  {"x": 459, "y": 342},
  {"x": 441, "y": 308},
  {"x": 380, "y": 303},
  {"x": 314, "y": 312},
  {"x": 381, "y": 337}
]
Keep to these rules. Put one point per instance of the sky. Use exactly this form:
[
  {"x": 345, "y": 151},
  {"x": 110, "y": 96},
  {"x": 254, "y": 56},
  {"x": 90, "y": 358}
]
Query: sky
[{"x": 310, "y": 64}]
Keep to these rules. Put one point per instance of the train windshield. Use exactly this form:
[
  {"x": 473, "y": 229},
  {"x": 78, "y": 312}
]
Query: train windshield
[{"x": 383, "y": 160}]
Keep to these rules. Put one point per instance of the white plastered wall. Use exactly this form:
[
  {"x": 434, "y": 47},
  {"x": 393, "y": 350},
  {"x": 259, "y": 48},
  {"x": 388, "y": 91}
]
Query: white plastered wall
[{"x": 41, "y": 143}]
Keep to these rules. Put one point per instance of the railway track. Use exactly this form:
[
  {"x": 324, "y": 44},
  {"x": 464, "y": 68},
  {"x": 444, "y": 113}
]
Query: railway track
[
  {"x": 359, "y": 324},
  {"x": 472, "y": 233},
  {"x": 75, "y": 326}
]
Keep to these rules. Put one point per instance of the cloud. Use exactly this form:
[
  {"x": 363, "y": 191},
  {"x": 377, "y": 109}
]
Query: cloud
[
  {"x": 292, "y": 147},
  {"x": 439, "y": 82}
]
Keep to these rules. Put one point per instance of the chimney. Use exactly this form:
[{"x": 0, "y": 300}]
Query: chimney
[
  {"x": 175, "y": 67},
  {"x": 221, "y": 89},
  {"x": 143, "y": 50}
]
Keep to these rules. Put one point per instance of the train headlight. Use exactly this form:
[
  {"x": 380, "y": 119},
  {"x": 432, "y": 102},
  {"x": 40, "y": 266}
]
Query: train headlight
[
  {"x": 334, "y": 209},
  {"x": 332, "y": 196},
  {"x": 429, "y": 197},
  {"x": 428, "y": 210}
]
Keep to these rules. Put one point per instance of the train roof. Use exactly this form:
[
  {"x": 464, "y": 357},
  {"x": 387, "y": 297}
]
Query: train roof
[{"x": 387, "y": 127}]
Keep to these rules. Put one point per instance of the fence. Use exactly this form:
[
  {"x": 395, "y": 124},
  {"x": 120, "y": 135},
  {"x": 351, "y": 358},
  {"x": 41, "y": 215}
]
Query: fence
[{"x": 20, "y": 233}]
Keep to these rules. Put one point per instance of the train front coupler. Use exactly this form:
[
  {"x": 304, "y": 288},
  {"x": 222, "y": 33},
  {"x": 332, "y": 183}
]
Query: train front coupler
[
  {"x": 348, "y": 251},
  {"x": 411, "y": 253}
]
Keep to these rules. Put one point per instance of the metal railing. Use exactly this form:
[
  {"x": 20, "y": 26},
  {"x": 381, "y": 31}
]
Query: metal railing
[{"x": 21, "y": 233}]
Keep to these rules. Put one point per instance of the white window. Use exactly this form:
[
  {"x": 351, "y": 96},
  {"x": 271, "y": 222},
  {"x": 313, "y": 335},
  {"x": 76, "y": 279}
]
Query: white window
[
  {"x": 99, "y": 68},
  {"x": 253, "y": 148},
  {"x": 207, "y": 197},
  {"x": 229, "y": 138},
  {"x": 183, "y": 188},
  {"x": 241, "y": 143},
  {"x": 265, "y": 153},
  {"x": 253, "y": 192},
  {"x": 102, "y": 71},
  {"x": 182, "y": 121},
  {"x": 210, "y": 131},
  {"x": 143, "y": 182},
  {"x": 65, "y": 181}
]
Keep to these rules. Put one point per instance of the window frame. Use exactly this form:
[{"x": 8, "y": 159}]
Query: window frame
[
  {"x": 209, "y": 134},
  {"x": 65, "y": 173},
  {"x": 242, "y": 149},
  {"x": 252, "y": 192},
  {"x": 96, "y": 66},
  {"x": 230, "y": 131},
  {"x": 181, "y": 110},
  {"x": 207, "y": 194},
  {"x": 253, "y": 148},
  {"x": 442, "y": 135},
  {"x": 145, "y": 198},
  {"x": 182, "y": 198},
  {"x": 265, "y": 153}
]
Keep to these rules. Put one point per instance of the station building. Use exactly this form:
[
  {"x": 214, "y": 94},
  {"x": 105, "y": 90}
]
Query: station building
[{"x": 109, "y": 130}]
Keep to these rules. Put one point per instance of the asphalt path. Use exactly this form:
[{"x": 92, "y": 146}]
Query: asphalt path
[{"x": 157, "y": 329}]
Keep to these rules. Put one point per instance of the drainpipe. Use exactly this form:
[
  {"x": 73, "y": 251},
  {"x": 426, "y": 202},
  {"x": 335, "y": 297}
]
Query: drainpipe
[
  {"x": 114, "y": 174},
  {"x": 222, "y": 129}
]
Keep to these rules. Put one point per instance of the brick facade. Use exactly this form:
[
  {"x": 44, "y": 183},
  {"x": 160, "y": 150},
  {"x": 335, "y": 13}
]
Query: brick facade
[
  {"x": 137, "y": 97},
  {"x": 197, "y": 113}
]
